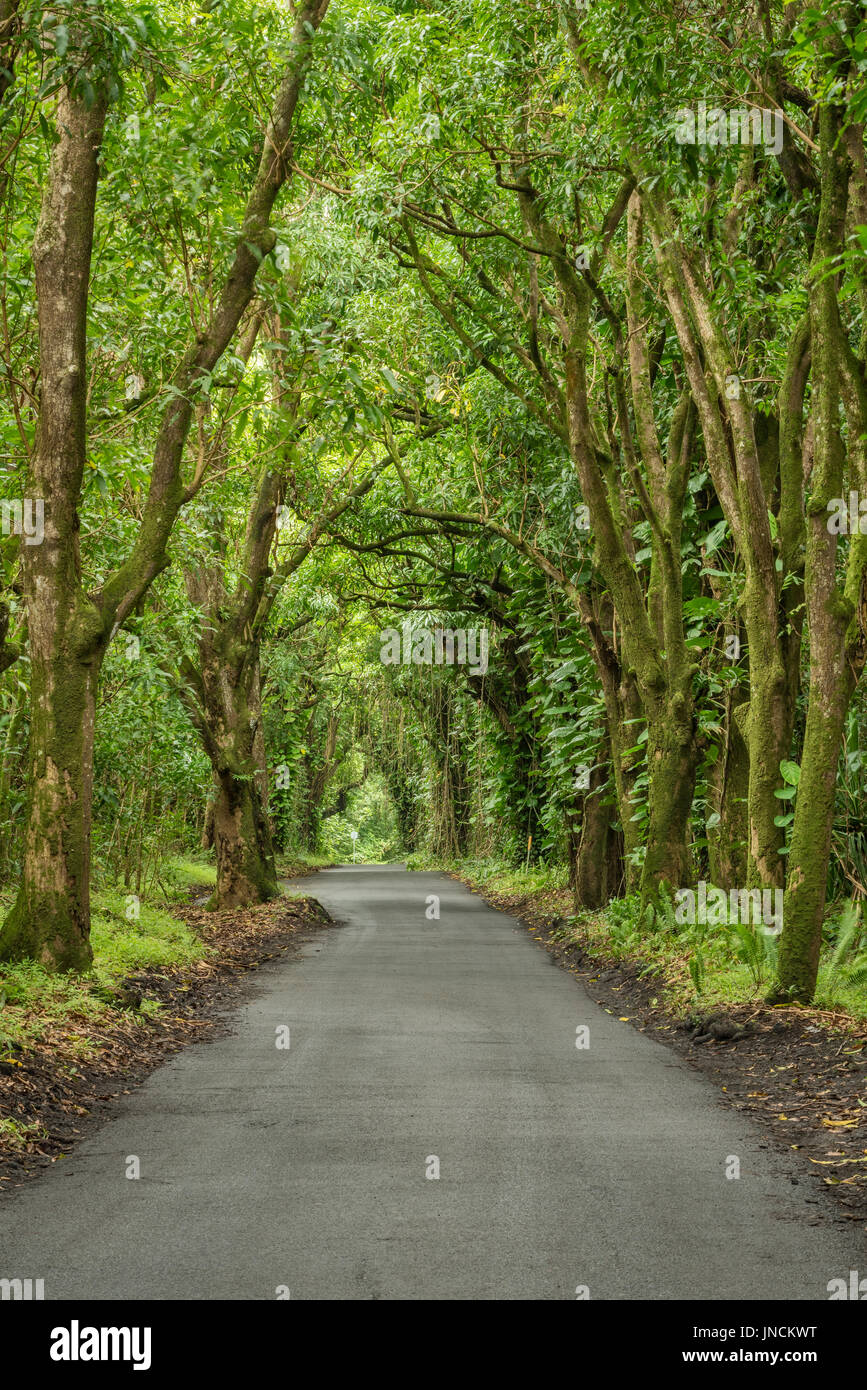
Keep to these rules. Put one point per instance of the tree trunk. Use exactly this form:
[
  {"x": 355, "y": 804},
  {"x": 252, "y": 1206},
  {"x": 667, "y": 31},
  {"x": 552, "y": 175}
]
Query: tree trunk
[
  {"x": 728, "y": 786},
  {"x": 671, "y": 765},
  {"x": 592, "y": 881},
  {"x": 223, "y": 701},
  {"x": 768, "y": 733},
  {"x": 246, "y": 872},
  {"x": 68, "y": 632},
  {"x": 836, "y": 618},
  {"x": 50, "y": 920}
]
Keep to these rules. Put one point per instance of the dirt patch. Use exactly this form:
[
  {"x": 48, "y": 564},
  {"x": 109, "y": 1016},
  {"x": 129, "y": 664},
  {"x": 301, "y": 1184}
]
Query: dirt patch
[
  {"x": 66, "y": 1083},
  {"x": 800, "y": 1073}
]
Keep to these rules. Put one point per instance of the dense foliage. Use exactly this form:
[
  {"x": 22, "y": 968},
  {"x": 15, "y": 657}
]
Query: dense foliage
[{"x": 328, "y": 329}]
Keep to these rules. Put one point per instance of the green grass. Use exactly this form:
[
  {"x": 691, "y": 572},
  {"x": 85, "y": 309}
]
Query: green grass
[
  {"x": 710, "y": 965},
  {"x": 183, "y": 877},
  {"x": 496, "y": 877},
  {"x": 128, "y": 935},
  {"x": 122, "y": 945},
  {"x": 192, "y": 873},
  {"x": 33, "y": 1001},
  {"x": 704, "y": 967},
  {"x": 296, "y": 862}
]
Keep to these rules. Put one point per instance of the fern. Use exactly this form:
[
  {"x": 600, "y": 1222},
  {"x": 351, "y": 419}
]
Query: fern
[
  {"x": 751, "y": 950},
  {"x": 847, "y": 965},
  {"x": 697, "y": 970}
]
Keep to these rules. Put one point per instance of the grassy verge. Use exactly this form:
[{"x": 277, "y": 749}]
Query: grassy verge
[
  {"x": 128, "y": 935},
  {"x": 297, "y": 864},
  {"x": 700, "y": 966},
  {"x": 183, "y": 875}
]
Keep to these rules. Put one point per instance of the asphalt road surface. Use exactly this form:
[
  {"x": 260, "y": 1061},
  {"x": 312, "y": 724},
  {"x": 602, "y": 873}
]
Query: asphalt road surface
[{"x": 418, "y": 1045}]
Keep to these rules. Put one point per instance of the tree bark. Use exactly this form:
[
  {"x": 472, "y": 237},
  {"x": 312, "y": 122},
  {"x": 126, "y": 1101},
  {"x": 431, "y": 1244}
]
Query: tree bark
[
  {"x": 593, "y": 882},
  {"x": 836, "y": 619},
  {"x": 69, "y": 630},
  {"x": 728, "y": 786},
  {"x": 50, "y": 920}
]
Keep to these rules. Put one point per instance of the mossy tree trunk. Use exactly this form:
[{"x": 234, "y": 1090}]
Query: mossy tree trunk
[
  {"x": 70, "y": 630},
  {"x": 50, "y": 919},
  {"x": 729, "y": 434},
  {"x": 246, "y": 872},
  {"x": 837, "y": 618},
  {"x": 625, "y": 718},
  {"x": 595, "y": 874},
  {"x": 452, "y": 827},
  {"x": 224, "y": 709},
  {"x": 728, "y": 786},
  {"x": 739, "y": 468},
  {"x": 227, "y": 715},
  {"x": 221, "y": 689},
  {"x": 9, "y": 652},
  {"x": 654, "y": 653}
]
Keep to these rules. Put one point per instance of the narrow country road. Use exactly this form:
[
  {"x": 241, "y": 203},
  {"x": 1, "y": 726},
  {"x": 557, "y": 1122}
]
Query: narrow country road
[{"x": 412, "y": 1040}]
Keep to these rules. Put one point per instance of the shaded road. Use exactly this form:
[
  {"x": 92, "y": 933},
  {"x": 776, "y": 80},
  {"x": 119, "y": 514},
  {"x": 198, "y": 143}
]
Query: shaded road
[{"x": 415, "y": 1039}]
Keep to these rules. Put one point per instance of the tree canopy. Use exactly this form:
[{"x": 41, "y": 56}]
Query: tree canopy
[{"x": 439, "y": 420}]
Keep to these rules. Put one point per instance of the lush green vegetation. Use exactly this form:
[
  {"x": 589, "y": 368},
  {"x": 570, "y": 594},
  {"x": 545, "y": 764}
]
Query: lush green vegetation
[
  {"x": 690, "y": 965},
  {"x": 33, "y": 1000},
  {"x": 331, "y": 328}
]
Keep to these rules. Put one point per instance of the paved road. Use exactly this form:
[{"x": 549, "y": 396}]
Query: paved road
[{"x": 413, "y": 1038}]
